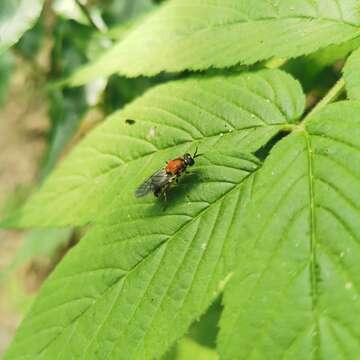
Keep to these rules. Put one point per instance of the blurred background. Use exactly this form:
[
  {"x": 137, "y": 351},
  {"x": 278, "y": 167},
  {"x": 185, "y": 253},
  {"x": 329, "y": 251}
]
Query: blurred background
[{"x": 41, "y": 121}]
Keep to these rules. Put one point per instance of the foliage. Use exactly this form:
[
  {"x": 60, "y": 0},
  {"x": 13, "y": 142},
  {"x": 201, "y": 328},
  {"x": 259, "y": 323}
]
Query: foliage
[
  {"x": 16, "y": 18},
  {"x": 197, "y": 34},
  {"x": 268, "y": 216},
  {"x": 6, "y": 66},
  {"x": 300, "y": 240}
]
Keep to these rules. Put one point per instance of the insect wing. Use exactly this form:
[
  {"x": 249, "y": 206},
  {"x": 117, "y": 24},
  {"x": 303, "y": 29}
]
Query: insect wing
[{"x": 153, "y": 183}]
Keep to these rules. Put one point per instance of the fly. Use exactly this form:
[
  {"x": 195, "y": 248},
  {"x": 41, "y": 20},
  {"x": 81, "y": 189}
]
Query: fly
[{"x": 159, "y": 183}]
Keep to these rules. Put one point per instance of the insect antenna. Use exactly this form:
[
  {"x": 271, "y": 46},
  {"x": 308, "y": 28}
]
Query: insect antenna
[{"x": 196, "y": 154}]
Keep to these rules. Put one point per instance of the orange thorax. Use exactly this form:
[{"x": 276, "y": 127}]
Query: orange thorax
[{"x": 176, "y": 166}]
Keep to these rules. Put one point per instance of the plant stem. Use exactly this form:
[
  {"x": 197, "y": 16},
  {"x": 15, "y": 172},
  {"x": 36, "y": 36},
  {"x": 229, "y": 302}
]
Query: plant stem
[{"x": 332, "y": 95}]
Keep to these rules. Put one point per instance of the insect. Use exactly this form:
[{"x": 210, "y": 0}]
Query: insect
[{"x": 159, "y": 183}]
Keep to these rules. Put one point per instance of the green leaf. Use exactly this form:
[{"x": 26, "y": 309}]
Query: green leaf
[
  {"x": 169, "y": 120},
  {"x": 352, "y": 75},
  {"x": 143, "y": 274},
  {"x": 67, "y": 107},
  {"x": 15, "y": 18},
  {"x": 135, "y": 284},
  {"x": 295, "y": 294},
  {"x": 199, "y": 34}
]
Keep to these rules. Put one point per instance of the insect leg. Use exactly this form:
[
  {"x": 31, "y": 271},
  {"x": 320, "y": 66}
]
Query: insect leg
[
  {"x": 165, "y": 189},
  {"x": 164, "y": 192},
  {"x": 157, "y": 192}
]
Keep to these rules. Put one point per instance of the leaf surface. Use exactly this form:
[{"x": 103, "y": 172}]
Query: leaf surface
[
  {"x": 199, "y": 34},
  {"x": 135, "y": 283},
  {"x": 242, "y": 111},
  {"x": 296, "y": 294},
  {"x": 144, "y": 273}
]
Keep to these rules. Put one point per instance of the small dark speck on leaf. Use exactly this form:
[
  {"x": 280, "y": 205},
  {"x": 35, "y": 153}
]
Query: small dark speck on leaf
[{"x": 130, "y": 121}]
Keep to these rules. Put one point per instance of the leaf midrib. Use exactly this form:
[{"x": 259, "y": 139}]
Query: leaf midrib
[{"x": 313, "y": 247}]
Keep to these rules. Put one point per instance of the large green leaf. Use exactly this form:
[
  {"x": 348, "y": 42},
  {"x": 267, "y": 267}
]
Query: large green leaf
[
  {"x": 238, "y": 110},
  {"x": 352, "y": 75},
  {"x": 135, "y": 284},
  {"x": 15, "y": 18},
  {"x": 296, "y": 294},
  {"x": 144, "y": 273},
  {"x": 198, "y": 34}
]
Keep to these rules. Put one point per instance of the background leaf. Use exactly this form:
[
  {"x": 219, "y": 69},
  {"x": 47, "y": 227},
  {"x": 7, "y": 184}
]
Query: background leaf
[
  {"x": 296, "y": 287},
  {"x": 198, "y": 34},
  {"x": 124, "y": 11},
  {"x": 38, "y": 243},
  {"x": 116, "y": 157},
  {"x": 321, "y": 69},
  {"x": 15, "y": 18},
  {"x": 69, "y": 9}
]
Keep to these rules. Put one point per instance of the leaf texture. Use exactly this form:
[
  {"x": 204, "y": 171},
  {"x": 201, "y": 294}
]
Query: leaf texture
[
  {"x": 243, "y": 111},
  {"x": 296, "y": 294},
  {"x": 135, "y": 284},
  {"x": 199, "y": 34}
]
